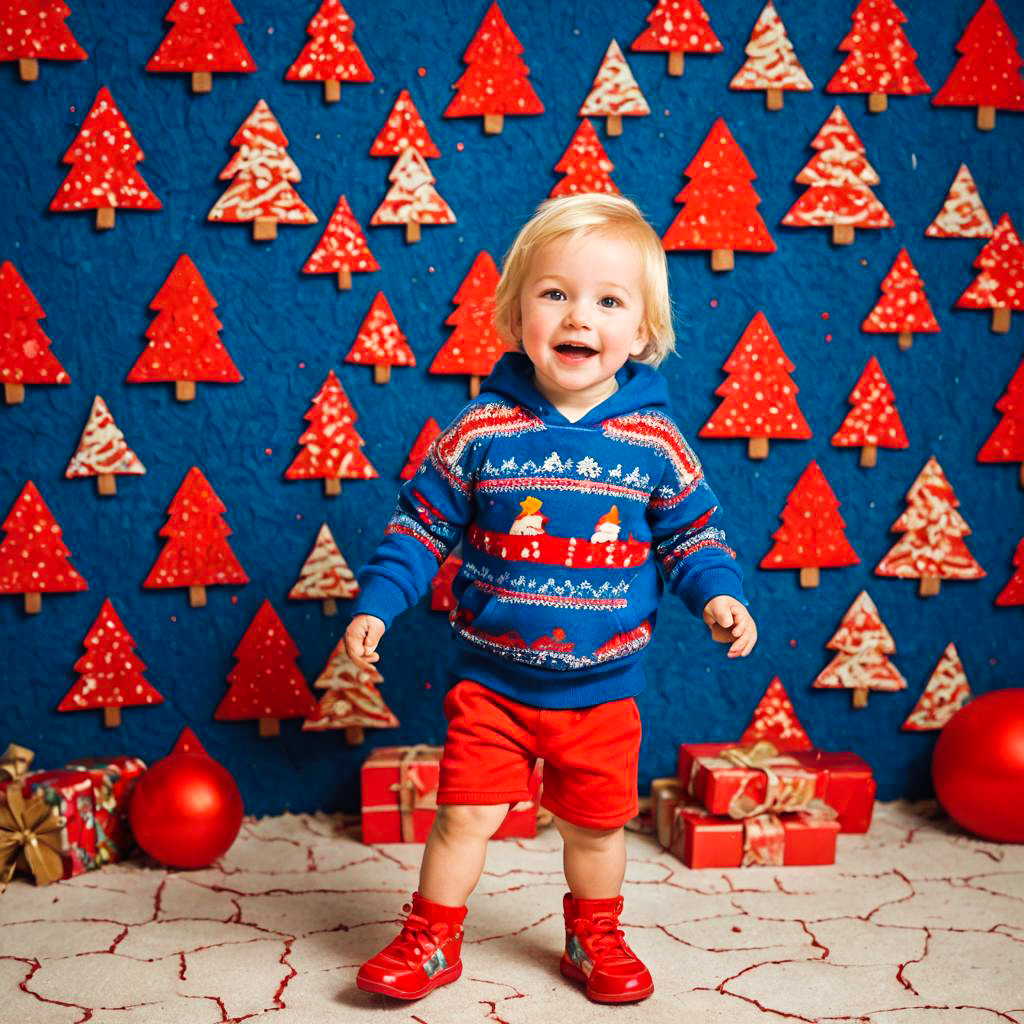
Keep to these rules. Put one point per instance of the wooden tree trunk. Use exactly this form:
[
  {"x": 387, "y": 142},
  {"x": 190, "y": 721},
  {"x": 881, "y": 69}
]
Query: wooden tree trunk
[
  {"x": 330, "y": 606},
  {"x": 757, "y": 448},
  {"x": 344, "y": 280},
  {"x": 111, "y": 717},
  {"x": 28, "y": 69},
  {"x": 264, "y": 229},
  {"x": 33, "y": 604},
  {"x": 197, "y": 596},
  {"x": 105, "y": 218},
  {"x": 381, "y": 373},
  {"x": 1001, "y": 320},
  {"x": 810, "y": 576},
  {"x": 929, "y": 586},
  {"x": 675, "y": 63},
  {"x": 613, "y": 125},
  {"x": 14, "y": 394},
  {"x": 986, "y": 119},
  {"x": 1020, "y": 477},
  {"x": 412, "y": 232},
  {"x": 202, "y": 81},
  {"x": 842, "y": 234},
  {"x": 332, "y": 486},
  {"x": 722, "y": 259},
  {"x": 860, "y": 697},
  {"x": 332, "y": 90},
  {"x": 185, "y": 390},
  {"x": 474, "y": 385},
  {"x": 905, "y": 340},
  {"x": 878, "y": 102},
  {"x": 269, "y": 727},
  {"x": 869, "y": 456},
  {"x": 106, "y": 485},
  {"x": 493, "y": 123},
  {"x": 354, "y": 735},
  {"x": 773, "y": 99}
]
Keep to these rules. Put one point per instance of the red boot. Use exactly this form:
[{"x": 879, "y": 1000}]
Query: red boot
[
  {"x": 423, "y": 956},
  {"x": 596, "y": 952}
]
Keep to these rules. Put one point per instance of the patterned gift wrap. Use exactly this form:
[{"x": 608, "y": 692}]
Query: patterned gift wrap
[
  {"x": 399, "y": 797},
  {"x": 703, "y": 840},
  {"x": 113, "y": 783}
]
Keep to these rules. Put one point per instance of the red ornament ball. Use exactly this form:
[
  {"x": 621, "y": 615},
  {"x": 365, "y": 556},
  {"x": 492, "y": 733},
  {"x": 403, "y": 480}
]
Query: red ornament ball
[
  {"x": 978, "y": 766},
  {"x": 186, "y": 810}
]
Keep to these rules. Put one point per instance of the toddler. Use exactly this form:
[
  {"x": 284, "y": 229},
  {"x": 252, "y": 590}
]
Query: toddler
[{"x": 571, "y": 487}]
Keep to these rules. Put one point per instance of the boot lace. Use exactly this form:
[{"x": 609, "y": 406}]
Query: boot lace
[
  {"x": 418, "y": 937},
  {"x": 603, "y": 936}
]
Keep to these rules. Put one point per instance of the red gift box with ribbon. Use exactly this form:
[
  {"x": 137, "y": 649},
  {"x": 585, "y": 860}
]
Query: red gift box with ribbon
[
  {"x": 850, "y": 788},
  {"x": 113, "y": 782},
  {"x": 399, "y": 797},
  {"x": 704, "y": 840}
]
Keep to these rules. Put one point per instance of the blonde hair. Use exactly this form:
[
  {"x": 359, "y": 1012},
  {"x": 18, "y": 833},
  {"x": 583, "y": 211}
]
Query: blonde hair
[{"x": 570, "y": 216}]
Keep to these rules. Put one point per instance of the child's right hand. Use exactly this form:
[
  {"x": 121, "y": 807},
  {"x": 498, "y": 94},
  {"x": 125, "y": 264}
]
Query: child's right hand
[{"x": 361, "y": 639}]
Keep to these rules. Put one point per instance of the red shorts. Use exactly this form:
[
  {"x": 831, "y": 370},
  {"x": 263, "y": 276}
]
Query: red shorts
[{"x": 590, "y": 755}]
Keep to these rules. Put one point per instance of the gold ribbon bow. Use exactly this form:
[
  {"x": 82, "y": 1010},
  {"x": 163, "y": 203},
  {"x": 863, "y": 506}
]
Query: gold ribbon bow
[
  {"x": 30, "y": 837},
  {"x": 413, "y": 793},
  {"x": 786, "y": 793},
  {"x": 15, "y": 761}
]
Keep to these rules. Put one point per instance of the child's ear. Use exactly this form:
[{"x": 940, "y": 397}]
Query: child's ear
[
  {"x": 643, "y": 336},
  {"x": 515, "y": 321}
]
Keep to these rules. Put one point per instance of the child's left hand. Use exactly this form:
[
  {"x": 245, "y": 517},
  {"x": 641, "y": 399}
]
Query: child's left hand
[{"x": 731, "y": 623}]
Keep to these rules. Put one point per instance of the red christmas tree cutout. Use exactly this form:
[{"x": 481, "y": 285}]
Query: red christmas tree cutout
[
  {"x": 932, "y": 546},
  {"x": 945, "y": 693},
  {"x": 862, "y": 645},
  {"x": 342, "y": 248},
  {"x": 812, "y": 534},
  {"x": 103, "y": 175},
  {"x": 404, "y": 128},
  {"x": 33, "y": 558},
  {"x": 266, "y": 684},
  {"x": 775, "y": 719},
  {"x": 496, "y": 81},
  {"x": 331, "y": 447},
  {"x": 963, "y": 215},
  {"x": 34, "y": 30},
  {"x": 1000, "y": 285},
  {"x": 873, "y": 422},
  {"x": 420, "y": 447},
  {"x": 188, "y": 743},
  {"x": 758, "y": 396},
  {"x": 25, "y": 356},
  {"x": 1006, "y": 442},
  {"x": 772, "y": 63},
  {"x": 615, "y": 93},
  {"x": 184, "y": 338},
  {"x": 1013, "y": 592},
  {"x": 987, "y": 75},
  {"x": 676, "y": 27},
  {"x": 838, "y": 179},
  {"x": 325, "y": 575},
  {"x": 881, "y": 61},
  {"x": 442, "y": 599},
  {"x": 197, "y": 554},
  {"x": 110, "y": 674},
  {"x": 203, "y": 40},
  {"x": 719, "y": 203},
  {"x": 331, "y": 56},
  {"x": 262, "y": 170},
  {"x": 585, "y": 165},
  {"x": 903, "y": 308},
  {"x": 352, "y": 701},
  {"x": 380, "y": 342},
  {"x": 412, "y": 199},
  {"x": 475, "y": 345},
  {"x": 103, "y": 452}
]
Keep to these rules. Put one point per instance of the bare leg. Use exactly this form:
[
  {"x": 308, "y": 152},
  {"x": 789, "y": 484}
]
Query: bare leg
[
  {"x": 595, "y": 860},
  {"x": 453, "y": 859}
]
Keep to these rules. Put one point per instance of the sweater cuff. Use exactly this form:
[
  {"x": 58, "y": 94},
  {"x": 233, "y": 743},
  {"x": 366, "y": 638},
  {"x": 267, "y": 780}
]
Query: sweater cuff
[
  {"x": 380, "y": 597},
  {"x": 717, "y": 582}
]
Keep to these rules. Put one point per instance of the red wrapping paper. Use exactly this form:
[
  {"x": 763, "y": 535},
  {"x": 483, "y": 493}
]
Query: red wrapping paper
[
  {"x": 113, "y": 783},
  {"x": 850, "y": 789},
  {"x": 385, "y": 801},
  {"x": 703, "y": 840}
]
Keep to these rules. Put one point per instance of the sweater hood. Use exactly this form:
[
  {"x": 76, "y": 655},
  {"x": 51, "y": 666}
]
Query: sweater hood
[{"x": 640, "y": 387}]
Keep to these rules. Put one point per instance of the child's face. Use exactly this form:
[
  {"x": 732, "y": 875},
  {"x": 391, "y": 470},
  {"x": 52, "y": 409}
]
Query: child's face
[{"x": 581, "y": 314}]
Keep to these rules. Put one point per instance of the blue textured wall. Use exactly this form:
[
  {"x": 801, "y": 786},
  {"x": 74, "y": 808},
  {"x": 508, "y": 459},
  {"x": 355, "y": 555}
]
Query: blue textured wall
[{"x": 285, "y": 331}]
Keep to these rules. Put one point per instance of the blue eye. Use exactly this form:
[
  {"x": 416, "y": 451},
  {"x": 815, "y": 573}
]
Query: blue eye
[
  {"x": 610, "y": 298},
  {"x": 553, "y": 293}
]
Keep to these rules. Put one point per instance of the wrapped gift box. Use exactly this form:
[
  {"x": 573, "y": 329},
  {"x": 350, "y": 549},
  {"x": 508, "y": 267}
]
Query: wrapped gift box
[
  {"x": 399, "y": 797},
  {"x": 850, "y": 788},
  {"x": 704, "y": 840},
  {"x": 666, "y": 794},
  {"x": 113, "y": 783}
]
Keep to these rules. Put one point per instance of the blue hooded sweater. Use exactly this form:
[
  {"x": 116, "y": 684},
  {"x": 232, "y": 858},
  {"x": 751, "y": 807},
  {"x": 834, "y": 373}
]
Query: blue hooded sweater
[{"x": 564, "y": 528}]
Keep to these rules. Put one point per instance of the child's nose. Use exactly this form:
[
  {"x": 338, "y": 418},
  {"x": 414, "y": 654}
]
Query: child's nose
[{"x": 576, "y": 315}]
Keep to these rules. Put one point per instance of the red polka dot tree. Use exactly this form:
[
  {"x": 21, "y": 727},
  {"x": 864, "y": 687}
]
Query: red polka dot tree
[
  {"x": 1006, "y": 442},
  {"x": 873, "y": 422},
  {"x": 342, "y": 249},
  {"x": 184, "y": 338},
  {"x": 34, "y": 30},
  {"x": 331, "y": 56},
  {"x": 419, "y": 449},
  {"x": 775, "y": 719},
  {"x": 903, "y": 308},
  {"x": 380, "y": 342},
  {"x": 1013, "y": 592},
  {"x": 585, "y": 165},
  {"x": 677, "y": 27}
]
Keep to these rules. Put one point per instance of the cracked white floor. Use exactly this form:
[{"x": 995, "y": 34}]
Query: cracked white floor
[{"x": 915, "y": 924}]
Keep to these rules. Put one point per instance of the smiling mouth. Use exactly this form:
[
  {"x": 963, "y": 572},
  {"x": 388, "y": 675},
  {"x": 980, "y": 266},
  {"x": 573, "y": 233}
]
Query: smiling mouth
[{"x": 575, "y": 351}]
